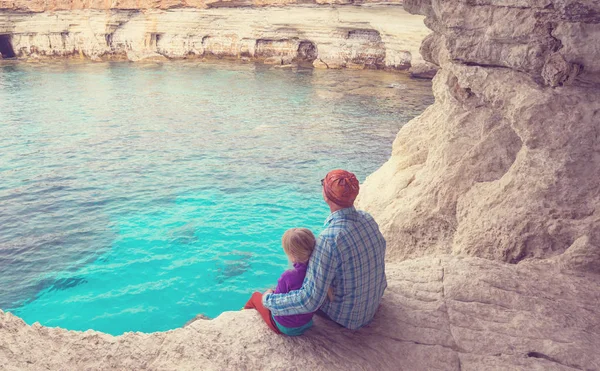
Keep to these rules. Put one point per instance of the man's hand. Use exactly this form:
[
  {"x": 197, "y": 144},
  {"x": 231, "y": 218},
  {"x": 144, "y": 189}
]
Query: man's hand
[{"x": 269, "y": 291}]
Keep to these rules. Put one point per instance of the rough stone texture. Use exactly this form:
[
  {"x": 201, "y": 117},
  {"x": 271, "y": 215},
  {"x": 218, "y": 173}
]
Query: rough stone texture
[
  {"x": 505, "y": 164},
  {"x": 439, "y": 313},
  {"x": 423, "y": 70},
  {"x": 380, "y": 37}
]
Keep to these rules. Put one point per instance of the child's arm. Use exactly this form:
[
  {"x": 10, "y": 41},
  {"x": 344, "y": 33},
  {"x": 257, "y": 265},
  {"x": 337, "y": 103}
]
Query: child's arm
[{"x": 330, "y": 293}]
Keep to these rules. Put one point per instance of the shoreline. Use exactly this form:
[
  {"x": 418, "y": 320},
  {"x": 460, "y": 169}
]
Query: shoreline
[
  {"x": 418, "y": 324},
  {"x": 198, "y": 60}
]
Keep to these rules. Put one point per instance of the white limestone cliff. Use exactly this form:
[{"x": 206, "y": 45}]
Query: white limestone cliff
[{"x": 380, "y": 37}]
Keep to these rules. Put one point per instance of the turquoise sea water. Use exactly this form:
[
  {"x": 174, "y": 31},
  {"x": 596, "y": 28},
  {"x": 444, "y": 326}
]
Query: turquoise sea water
[{"x": 135, "y": 196}]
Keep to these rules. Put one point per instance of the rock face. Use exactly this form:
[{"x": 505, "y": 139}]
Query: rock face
[
  {"x": 439, "y": 313},
  {"x": 505, "y": 164},
  {"x": 423, "y": 70},
  {"x": 379, "y": 37}
]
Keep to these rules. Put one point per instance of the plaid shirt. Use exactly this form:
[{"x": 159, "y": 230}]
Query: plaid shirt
[{"x": 349, "y": 257}]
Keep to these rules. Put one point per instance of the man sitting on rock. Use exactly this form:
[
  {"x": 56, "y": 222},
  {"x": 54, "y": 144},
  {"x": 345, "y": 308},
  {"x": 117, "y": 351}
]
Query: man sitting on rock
[{"x": 348, "y": 257}]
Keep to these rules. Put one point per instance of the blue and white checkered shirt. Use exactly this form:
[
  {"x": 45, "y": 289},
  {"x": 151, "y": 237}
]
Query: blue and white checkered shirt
[{"x": 349, "y": 257}]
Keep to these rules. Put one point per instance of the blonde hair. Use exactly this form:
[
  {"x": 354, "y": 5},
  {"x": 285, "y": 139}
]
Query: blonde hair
[{"x": 298, "y": 244}]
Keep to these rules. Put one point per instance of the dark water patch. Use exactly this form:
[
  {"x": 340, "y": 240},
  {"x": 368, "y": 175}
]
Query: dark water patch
[
  {"x": 67, "y": 283},
  {"x": 185, "y": 235},
  {"x": 230, "y": 269}
]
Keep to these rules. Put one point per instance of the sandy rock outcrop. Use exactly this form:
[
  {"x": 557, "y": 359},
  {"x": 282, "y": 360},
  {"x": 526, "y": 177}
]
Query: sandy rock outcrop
[
  {"x": 439, "y": 313},
  {"x": 378, "y": 37},
  {"x": 505, "y": 164}
]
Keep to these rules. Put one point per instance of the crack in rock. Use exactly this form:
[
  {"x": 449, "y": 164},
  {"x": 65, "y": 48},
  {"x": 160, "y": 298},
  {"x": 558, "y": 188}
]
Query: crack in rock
[
  {"x": 553, "y": 360},
  {"x": 456, "y": 348}
]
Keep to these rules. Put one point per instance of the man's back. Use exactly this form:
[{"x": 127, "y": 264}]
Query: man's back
[{"x": 359, "y": 280}]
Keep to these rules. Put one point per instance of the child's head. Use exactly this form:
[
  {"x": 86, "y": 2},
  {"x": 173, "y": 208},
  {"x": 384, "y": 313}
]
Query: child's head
[{"x": 298, "y": 244}]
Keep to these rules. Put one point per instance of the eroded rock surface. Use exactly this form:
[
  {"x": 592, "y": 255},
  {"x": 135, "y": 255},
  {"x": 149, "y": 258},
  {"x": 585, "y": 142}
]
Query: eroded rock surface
[
  {"x": 505, "y": 164},
  {"x": 439, "y": 313},
  {"x": 378, "y": 37},
  {"x": 424, "y": 70}
]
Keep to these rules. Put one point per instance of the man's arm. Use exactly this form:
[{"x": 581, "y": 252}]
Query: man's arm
[{"x": 312, "y": 294}]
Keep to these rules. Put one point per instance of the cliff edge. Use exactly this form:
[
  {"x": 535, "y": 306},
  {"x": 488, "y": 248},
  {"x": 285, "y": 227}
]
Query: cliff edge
[{"x": 439, "y": 313}]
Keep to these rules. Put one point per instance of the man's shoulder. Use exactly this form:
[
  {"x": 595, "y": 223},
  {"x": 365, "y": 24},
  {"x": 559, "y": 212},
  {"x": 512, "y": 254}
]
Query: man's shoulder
[
  {"x": 365, "y": 215},
  {"x": 358, "y": 220},
  {"x": 326, "y": 238},
  {"x": 348, "y": 230}
]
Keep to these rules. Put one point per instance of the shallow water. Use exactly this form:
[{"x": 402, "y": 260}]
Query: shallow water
[{"x": 135, "y": 196}]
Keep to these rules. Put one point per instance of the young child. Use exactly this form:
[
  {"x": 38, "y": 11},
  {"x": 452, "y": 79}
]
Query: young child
[{"x": 298, "y": 244}]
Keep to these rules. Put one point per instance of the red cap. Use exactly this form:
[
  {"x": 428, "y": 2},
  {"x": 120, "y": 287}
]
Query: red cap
[{"x": 341, "y": 187}]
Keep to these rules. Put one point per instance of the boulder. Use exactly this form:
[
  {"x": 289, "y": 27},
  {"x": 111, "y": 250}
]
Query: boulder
[
  {"x": 273, "y": 60},
  {"x": 423, "y": 70}
]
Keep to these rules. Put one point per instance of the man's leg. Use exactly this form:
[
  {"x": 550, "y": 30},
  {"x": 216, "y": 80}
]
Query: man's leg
[{"x": 255, "y": 302}]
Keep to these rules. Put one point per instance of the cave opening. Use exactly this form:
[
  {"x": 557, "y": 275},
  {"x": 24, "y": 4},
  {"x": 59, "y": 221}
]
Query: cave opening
[
  {"x": 307, "y": 51},
  {"x": 6, "y": 48}
]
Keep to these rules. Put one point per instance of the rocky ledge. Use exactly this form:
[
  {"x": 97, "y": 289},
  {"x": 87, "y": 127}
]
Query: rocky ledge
[
  {"x": 439, "y": 313},
  {"x": 377, "y": 37}
]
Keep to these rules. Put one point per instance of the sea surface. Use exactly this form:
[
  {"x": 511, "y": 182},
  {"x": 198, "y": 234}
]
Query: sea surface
[{"x": 136, "y": 196}]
